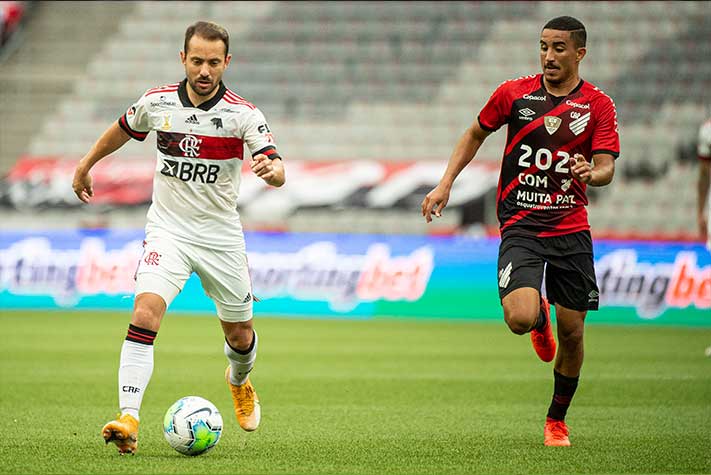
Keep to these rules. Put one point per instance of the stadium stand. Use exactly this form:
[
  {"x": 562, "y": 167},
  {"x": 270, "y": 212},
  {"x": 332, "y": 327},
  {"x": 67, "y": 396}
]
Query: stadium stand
[{"x": 394, "y": 81}]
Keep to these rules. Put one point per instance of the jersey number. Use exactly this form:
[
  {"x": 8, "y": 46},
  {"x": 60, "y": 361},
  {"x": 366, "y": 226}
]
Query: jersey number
[{"x": 544, "y": 159}]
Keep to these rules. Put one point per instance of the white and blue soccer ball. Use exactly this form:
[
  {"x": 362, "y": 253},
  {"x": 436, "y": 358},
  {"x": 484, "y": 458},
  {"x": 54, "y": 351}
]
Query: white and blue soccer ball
[{"x": 192, "y": 425}]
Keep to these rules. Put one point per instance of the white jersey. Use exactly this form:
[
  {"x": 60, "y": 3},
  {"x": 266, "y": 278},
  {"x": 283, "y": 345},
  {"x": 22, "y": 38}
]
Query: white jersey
[
  {"x": 200, "y": 152},
  {"x": 704, "y": 152}
]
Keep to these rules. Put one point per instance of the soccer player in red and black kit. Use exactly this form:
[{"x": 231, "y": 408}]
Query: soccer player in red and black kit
[{"x": 562, "y": 136}]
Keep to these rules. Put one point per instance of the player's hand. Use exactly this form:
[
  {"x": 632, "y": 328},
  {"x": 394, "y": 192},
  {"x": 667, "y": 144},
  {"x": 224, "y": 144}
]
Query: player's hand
[
  {"x": 580, "y": 168},
  {"x": 434, "y": 202},
  {"x": 271, "y": 171},
  {"x": 262, "y": 167},
  {"x": 82, "y": 185}
]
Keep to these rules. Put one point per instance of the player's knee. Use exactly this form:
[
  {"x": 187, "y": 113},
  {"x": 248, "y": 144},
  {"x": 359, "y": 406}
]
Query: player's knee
[
  {"x": 146, "y": 317},
  {"x": 519, "y": 321},
  {"x": 240, "y": 335},
  {"x": 572, "y": 335},
  {"x": 148, "y": 311}
]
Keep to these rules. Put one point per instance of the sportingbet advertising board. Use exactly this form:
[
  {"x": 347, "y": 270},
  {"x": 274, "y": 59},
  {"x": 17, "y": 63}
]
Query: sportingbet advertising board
[{"x": 354, "y": 276}]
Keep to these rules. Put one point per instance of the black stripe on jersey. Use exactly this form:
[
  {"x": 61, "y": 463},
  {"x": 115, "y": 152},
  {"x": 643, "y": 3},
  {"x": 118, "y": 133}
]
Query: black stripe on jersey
[
  {"x": 123, "y": 123},
  {"x": 609, "y": 152},
  {"x": 270, "y": 151},
  {"x": 207, "y": 105}
]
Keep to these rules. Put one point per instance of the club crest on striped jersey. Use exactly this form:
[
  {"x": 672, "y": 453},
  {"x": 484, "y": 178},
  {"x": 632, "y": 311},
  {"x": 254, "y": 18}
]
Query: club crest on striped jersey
[
  {"x": 578, "y": 125},
  {"x": 190, "y": 146},
  {"x": 552, "y": 123}
]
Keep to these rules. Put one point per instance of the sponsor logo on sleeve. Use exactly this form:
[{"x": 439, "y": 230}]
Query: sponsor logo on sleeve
[{"x": 264, "y": 130}]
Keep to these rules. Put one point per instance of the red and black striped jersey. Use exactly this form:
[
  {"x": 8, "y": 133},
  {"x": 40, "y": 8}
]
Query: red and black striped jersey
[{"x": 537, "y": 195}]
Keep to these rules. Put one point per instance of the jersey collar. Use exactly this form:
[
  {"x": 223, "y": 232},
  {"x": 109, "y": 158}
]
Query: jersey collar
[
  {"x": 207, "y": 105},
  {"x": 560, "y": 98}
]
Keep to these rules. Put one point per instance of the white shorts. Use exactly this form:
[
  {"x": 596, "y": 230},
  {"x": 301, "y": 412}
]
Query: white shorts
[{"x": 167, "y": 264}]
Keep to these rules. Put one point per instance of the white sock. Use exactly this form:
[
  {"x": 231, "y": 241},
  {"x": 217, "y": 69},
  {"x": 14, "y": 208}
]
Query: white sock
[
  {"x": 241, "y": 364},
  {"x": 134, "y": 374}
]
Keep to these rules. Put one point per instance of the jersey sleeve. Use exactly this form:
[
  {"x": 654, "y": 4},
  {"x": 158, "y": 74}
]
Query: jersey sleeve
[
  {"x": 497, "y": 110},
  {"x": 135, "y": 120},
  {"x": 605, "y": 137},
  {"x": 258, "y": 137},
  {"x": 703, "y": 149}
]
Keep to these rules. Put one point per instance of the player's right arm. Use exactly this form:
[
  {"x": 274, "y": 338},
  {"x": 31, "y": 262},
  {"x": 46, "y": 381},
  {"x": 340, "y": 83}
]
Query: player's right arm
[
  {"x": 135, "y": 123},
  {"x": 111, "y": 140},
  {"x": 465, "y": 150},
  {"x": 494, "y": 114}
]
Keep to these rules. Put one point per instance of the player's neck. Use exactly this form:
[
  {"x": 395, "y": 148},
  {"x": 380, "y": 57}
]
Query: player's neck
[
  {"x": 196, "y": 98},
  {"x": 564, "y": 88}
]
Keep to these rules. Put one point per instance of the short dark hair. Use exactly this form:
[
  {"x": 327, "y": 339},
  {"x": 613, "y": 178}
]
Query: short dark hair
[
  {"x": 208, "y": 30},
  {"x": 573, "y": 25}
]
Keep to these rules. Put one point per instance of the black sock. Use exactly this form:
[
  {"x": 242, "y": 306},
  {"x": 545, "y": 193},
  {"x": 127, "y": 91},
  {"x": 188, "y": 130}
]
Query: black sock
[{"x": 563, "y": 392}]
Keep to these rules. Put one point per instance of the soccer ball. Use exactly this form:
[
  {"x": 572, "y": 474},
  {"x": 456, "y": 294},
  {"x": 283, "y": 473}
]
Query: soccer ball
[{"x": 192, "y": 425}]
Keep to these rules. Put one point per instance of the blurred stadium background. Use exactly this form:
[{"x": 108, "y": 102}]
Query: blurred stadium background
[
  {"x": 376, "y": 86},
  {"x": 366, "y": 101}
]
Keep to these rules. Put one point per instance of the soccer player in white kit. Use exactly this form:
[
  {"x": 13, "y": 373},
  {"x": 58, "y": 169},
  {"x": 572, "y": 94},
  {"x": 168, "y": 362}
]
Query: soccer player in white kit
[
  {"x": 192, "y": 224},
  {"x": 703, "y": 207}
]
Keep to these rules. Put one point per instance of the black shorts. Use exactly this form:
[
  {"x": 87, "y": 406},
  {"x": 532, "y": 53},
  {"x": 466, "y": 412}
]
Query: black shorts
[{"x": 568, "y": 264}]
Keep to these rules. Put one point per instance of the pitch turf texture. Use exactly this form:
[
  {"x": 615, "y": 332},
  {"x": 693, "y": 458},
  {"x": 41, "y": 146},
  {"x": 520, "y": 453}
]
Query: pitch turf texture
[{"x": 380, "y": 396}]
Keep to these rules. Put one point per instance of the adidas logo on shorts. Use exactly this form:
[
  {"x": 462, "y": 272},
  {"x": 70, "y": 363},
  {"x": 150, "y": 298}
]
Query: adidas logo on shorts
[{"x": 247, "y": 298}]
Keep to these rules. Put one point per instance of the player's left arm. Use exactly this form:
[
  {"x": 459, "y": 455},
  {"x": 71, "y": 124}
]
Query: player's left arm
[
  {"x": 599, "y": 169},
  {"x": 267, "y": 164},
  {"x": 597, "y": 173}
]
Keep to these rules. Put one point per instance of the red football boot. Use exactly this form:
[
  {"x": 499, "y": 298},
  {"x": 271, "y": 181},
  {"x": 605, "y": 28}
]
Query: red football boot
[
  {"x": 543, "y": 340},
  {"x": 555, "y": 433}
]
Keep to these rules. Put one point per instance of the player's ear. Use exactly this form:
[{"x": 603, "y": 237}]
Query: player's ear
[
  {"x": 580, "y": 53},
  {"x": 228, "y": 58},
  {"x": 182, "y": 56}
]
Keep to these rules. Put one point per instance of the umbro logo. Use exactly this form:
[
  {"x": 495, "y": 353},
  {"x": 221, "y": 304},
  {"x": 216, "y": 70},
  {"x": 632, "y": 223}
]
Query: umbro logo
[
  {"x": 192, "y": 120},
  {"x": 526, "y": 114},
  {"x": 593, "y": 296}
]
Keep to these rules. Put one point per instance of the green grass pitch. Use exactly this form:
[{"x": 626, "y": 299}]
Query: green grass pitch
[{"x": 376, "y": 396}]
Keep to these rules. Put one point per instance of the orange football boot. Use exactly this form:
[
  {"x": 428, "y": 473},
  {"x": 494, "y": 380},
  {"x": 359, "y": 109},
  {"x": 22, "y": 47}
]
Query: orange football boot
[
  {"x": 246, "y": 403},
  {"x": 124, "y": 433}
]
